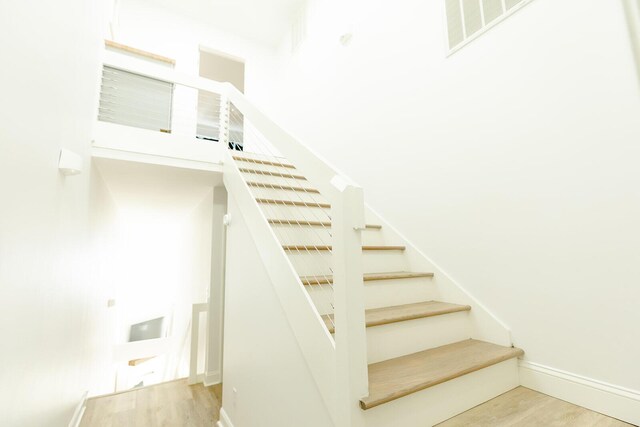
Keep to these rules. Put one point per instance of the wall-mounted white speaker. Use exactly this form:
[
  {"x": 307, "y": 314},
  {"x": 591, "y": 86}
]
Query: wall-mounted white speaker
[{"x": 69, "y": 163}]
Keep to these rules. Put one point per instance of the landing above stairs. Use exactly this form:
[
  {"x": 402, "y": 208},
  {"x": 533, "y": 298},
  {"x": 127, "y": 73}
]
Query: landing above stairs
[{"x": 395, "y": 378}]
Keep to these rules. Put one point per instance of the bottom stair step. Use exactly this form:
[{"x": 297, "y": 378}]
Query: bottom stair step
[
  {"x": 395, "y": 378},
  {"x": 400, "y": 313}
]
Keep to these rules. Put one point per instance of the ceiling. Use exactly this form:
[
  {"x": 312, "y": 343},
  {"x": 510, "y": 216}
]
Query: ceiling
[
  {"x": 161, "y": 190},
  {"x": 262, "y": 21}
]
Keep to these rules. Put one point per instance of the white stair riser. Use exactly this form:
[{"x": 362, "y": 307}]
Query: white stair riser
[
  {"x": 267, "y": 168},
  {"x": 260, "y": 153},
  {"x": 313, "y": 263},
  {"x": 379, "y": 293},
  {"x": 295, "y": 235},
  {"x": 385, "y": 293},
  {"x": 274, "y": 193},
  {"x": 322, "y": 297},
  {"x": 289, "y": 179},
  {"x": 439, "y": 403},
  {"x": 301, "y": 213},
  {"x": 386, "y": 342}
]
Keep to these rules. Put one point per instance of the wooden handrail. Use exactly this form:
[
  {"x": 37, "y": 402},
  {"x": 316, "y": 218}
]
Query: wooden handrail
[{"x": 139, "y": 52}]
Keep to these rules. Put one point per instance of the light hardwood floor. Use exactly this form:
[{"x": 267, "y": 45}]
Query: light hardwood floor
[
  {"x": 176, "y": 404},
  {"x": 171, "y": 404},
  {"x": 524, "y": 407}
]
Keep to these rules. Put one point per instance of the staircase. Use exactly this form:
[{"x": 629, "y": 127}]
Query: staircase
[
  {"x": 385, "y": 337},
  {"x": 416, "y": 342}
]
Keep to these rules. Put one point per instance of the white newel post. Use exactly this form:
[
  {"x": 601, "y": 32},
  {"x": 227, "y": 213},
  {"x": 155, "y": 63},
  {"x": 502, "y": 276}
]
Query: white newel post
[
  {"x": 225, "y": 115},
  {"x": 347, "y": 223},
  {"x": 215, "y": 319},
  {"x": 196, "y": 309}
]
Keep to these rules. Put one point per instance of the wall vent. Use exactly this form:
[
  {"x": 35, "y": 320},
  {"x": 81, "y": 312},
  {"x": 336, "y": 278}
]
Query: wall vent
[{"x": 467, "y": 19}]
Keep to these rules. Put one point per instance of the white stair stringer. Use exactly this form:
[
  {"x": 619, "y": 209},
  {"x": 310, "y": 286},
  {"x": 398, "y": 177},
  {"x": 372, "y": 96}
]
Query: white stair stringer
[{"x": 441, "y": 402}]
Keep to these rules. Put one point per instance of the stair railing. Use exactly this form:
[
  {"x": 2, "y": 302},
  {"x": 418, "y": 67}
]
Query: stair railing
[{"x": 347, "y": 223}]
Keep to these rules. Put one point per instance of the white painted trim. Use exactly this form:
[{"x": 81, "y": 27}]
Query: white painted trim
[
  {"x": 212, "y": 378},
  {"x": 130, "y": 143},
  {"x": 225, "y": 421},
  {"x": 79, "y": 412},
  {"x": 213, "y": 366},
  {"x": 608, "y": 399},
  {"x": 153, "y": 159},
  {"x": 632, "y": 14},
  {"x": 196, "y": 310}
]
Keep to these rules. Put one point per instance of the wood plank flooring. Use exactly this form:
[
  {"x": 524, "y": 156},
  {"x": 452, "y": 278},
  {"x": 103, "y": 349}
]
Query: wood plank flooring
[
  {"x": 171, "y": 404},
  {"x": 176, "y": 404},
  {"x": 523, "y": 407}
]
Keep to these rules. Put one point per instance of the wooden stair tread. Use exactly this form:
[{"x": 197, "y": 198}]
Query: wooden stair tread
[
  {"x": 367, "y": 277},
  {"x": 136, "y": 362},
  {"x": 401, "y": 313},
  {"x": 282, "y": 187},
  {"x": 263, "y": 162},
  {"x": 328, "y": 248},
  {"x": 293, "y": 203},
  {"x": 395, "y": 378},
  {"x": 311, "y": 223},
  {"x": 268, "y": 173}
]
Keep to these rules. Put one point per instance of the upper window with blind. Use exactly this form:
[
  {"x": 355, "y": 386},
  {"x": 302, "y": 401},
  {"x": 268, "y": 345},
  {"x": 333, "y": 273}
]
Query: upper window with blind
[
  {"x": 134, "y": 100},
  {"x": 467, "y": 19}
]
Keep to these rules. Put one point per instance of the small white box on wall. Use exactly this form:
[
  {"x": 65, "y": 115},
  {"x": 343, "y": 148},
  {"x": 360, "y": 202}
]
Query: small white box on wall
[{"x": 69, "y": 163}]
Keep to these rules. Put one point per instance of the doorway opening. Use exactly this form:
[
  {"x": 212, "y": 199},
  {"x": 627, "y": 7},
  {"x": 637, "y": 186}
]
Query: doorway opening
[{"x": 221, "y": 68}]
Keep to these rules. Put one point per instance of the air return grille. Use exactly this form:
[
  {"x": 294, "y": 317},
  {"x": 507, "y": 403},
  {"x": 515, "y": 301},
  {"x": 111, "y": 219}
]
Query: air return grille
[{"x": 468, "y": 18}]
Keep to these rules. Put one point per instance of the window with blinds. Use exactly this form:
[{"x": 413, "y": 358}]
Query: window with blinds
[
  {"x": 466, "y": 19},
  {"x": 134, "y": 100}
]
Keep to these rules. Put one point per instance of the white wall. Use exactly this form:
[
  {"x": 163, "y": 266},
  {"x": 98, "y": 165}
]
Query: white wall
[
  {"x": 50, "y": 308},
  {"x": 266, "y": 380},
  {"x": 162, "y": 254},
  {"x": 165, "y": 31},
  {"x": 512, "y": 163},
  {"x": 180, "y": 31},
  {"x": 220, "y": 68},
  {"x": 103, "y": 256}
]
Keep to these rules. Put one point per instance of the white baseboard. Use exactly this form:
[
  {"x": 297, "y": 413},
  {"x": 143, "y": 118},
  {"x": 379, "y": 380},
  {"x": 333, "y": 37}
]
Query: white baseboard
[
  {"x": 79, "y": 412},
  {"x": 614, "y": 401},
  {"x": 195, "y": 380},
  {"x": 211, "y": 378},
  {"x": 225, "y": 421}
]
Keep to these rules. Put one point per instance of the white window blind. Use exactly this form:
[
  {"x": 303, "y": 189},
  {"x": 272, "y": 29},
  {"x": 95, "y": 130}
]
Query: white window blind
[
  {"x": 134, "y": 100},
  {"x": 469, "y": 18}
]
